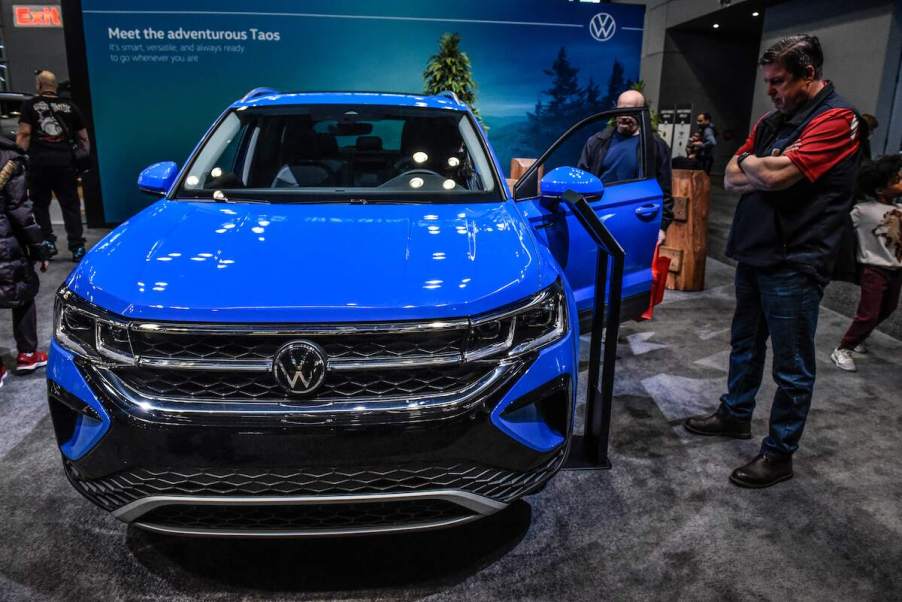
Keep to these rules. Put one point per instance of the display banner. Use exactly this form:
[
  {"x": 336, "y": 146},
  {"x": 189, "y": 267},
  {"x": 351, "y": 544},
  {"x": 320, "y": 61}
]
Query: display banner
[
  {"x": 161, "y": 71},
  {"x": 665, "y": 126},
  {"x": 682, "y": 130}
]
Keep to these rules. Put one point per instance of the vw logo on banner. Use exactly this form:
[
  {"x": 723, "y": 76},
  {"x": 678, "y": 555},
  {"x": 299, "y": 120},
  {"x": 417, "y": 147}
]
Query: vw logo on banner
[{"x": 602, "y": 27}]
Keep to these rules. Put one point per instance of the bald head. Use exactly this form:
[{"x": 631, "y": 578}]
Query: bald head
[
  {"x": 630, "y": 99},
  {"x": 45, "y": 81},
  {"x": 627, "y": 124}
]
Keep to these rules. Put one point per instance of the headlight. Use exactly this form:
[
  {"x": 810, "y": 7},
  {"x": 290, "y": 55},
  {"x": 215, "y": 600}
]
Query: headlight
[
  {"x": 89, "y": 332},
  {"x": 526, "y": 327}
]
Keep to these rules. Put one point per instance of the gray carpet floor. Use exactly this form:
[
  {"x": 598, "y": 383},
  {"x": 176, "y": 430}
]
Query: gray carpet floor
[{"x": 664, "y": 523}]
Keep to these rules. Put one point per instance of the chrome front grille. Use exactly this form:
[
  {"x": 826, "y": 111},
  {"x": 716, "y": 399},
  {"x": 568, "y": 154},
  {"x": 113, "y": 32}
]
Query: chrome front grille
[
  {"x": 250, "y": 386},
  {"x": 402, "y": 371}
]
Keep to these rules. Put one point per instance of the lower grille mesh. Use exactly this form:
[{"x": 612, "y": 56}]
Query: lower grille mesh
[
  {"x": 501, "y": 485},
  {"x": 305, "y": 518}
]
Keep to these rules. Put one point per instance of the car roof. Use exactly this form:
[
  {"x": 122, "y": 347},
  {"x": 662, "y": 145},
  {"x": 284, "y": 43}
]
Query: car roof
[{"x": 263, "y": 97}]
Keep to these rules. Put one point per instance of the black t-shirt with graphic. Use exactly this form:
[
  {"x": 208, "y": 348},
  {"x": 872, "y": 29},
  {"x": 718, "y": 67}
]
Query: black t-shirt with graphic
[{"x": 50, "y": 142}]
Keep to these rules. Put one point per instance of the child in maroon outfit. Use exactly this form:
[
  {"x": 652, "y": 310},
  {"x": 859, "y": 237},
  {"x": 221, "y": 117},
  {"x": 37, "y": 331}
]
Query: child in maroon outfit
[{"x": 878, "y": 225}]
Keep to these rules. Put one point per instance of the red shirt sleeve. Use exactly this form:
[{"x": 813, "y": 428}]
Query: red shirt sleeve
[
  {"x": 828, "y": 139},
  {"x": 749, "y": 145}
]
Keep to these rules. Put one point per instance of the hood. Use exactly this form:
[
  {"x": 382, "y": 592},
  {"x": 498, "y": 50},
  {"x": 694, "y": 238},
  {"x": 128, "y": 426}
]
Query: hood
[{"x": 331, "y": 262}]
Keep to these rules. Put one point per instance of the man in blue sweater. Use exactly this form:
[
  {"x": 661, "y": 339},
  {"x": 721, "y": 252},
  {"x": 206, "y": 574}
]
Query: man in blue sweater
[{"x": 614, "y": 155}]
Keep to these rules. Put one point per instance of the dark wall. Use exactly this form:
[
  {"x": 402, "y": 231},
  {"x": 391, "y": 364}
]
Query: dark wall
[
  {"x": 862, "y": 42},
  {"x": 28, "y": 49},
  {"x": 716, "y": 74}
]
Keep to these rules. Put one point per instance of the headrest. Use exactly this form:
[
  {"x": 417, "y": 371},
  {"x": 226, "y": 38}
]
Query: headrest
[
  {"x": 369, "y": 143},
  {"x": 328, "y": 145},
  {"x": 301, "y": 143}
]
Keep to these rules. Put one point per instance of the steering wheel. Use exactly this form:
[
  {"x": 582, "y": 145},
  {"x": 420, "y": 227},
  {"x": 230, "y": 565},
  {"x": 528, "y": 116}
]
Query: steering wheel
[{"x": 419, "y": 171}]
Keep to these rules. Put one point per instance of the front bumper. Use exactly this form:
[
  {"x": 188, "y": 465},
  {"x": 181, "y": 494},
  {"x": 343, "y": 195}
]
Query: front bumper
[{"x": 277, "y": 476}]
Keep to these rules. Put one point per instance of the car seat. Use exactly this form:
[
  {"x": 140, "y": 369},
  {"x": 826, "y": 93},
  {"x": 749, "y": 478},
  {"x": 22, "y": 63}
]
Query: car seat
[{"x": 303, "y": 166}]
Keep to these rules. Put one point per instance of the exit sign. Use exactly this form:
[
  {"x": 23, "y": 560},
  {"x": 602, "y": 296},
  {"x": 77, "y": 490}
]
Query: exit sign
[{"x": 37, "y": 15}]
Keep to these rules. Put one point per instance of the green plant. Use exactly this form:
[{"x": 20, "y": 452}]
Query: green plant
[
  {"x": 450, "y": 70},
  {"x": 639, "y": 86}
]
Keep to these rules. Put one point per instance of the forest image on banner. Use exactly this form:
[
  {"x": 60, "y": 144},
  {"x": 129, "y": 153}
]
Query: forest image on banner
[{"x": 160, "y": 72}]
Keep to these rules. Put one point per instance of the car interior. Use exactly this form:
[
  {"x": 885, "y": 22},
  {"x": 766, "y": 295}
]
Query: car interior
[{"x": 339, "y": 151}]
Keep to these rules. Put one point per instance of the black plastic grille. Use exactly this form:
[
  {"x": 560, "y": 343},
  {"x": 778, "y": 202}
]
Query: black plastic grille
[
  {"x": 250, "y": 386},
  {"x": 306, "y": 517},
  {"x": 197, "y": 346},
  {"x": 125, "y": 487}
]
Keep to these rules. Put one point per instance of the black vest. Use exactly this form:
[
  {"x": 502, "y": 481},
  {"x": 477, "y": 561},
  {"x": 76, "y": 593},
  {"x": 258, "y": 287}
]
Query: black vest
[{"x": 802, "y": 225}]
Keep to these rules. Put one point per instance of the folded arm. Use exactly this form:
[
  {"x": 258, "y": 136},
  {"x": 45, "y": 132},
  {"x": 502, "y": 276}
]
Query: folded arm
[
  {"x": 770, "y": 173},
  {"x": 734, "y": 180}
]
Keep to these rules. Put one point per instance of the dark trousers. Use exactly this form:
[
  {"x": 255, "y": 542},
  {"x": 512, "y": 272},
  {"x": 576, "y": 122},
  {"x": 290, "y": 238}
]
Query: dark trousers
[
  {"x": 43, "y": 183},
  {"x": 25, "y": 327},
  {"x": 782, "y": 304},
  {"x": 879, "y": 299}
]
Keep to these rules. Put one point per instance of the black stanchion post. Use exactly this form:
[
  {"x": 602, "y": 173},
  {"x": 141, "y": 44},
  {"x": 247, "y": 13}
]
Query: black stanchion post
[
  {"x": 594, "y": 417},
  {"x": 591, "y": 450}
]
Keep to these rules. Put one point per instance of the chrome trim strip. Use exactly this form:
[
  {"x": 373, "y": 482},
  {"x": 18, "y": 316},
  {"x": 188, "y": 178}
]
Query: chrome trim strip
[
  {"x": 336, "y": 364},
  {"x": 465, "y": 499},
  {"x": 380, "y": 363},
  {"x": 315, "y": 410},
  {"x": 301, "y": 329},
  {"x": 213, "y": 365},
  {"x": 311, "y": 533}
]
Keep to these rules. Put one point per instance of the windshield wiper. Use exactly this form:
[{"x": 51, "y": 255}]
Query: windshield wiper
[{"x": 220, "y": 196}]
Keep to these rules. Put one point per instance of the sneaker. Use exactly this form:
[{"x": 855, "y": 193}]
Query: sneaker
[
  {"x": 843, "y": 359},
  {"x": 3, "y": 374},
  {"x": 860, "y": 348},
  {"x": 77, "y": 254},
  {"x": 50, "y": 248},
  {"x": 29, "y": 362}
]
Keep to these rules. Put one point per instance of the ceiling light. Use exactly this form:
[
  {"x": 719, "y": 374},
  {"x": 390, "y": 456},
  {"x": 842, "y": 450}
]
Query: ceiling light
[
  {"x": 755, "y": 14},
  {"x": 716, "y": 25}
]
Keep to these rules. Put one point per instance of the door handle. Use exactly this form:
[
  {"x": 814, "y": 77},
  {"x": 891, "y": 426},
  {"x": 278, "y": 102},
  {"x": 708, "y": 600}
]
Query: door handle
[
  {"x": 647, "y": 211},
  {"x": 542, "y": 223}
]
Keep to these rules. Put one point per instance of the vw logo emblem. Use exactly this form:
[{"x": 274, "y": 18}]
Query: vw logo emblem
[
  {"x": 602, "y": 27},
  {"x": 300, "y": 367}
]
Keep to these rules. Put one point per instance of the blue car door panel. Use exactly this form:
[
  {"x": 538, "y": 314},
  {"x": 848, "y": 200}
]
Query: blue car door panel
[{"x": 631, "y": 210}]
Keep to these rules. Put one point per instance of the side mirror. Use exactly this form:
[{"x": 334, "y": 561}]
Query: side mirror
[
  {"x": 561, "y": 179},
  {"x": 158, "y": 178}
]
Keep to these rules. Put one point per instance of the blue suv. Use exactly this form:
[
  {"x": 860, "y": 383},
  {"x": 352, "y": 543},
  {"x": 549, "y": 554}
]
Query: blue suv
[{"x": 337, "y": 319}]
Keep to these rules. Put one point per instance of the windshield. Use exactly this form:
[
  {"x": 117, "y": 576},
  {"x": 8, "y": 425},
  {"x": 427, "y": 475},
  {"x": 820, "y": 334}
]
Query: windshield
[{"x": 338, "y": 152}]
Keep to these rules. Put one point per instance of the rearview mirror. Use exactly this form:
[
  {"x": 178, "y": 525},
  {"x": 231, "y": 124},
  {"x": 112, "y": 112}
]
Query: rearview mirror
[
  {"x": 158, "y": 178},
  {"x": 561, "y": 179},
  {"x": 351, "y": 128}
]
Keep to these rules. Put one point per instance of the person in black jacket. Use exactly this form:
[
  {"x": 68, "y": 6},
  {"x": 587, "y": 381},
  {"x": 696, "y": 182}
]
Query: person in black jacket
[
  {"x": 796, "y": 174},
  {"x": 614, "y": 155},
  {"x": 49, "y": 129},
  {"x": 20, "y": 248}
]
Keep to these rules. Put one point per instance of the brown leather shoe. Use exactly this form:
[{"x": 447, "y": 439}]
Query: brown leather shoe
[
  {"x": 720, "y": 425},
  {"x": 763, "y": 471}
]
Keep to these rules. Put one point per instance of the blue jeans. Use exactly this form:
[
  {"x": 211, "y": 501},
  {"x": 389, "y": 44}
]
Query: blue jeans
[{"x": 781, "y": 303}]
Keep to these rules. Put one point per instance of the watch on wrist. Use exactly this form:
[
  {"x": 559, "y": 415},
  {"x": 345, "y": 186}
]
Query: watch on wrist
[{"x": 742, "y": 158}]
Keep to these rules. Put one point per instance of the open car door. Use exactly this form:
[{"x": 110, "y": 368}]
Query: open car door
[{"x": 630, "y": 207}]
